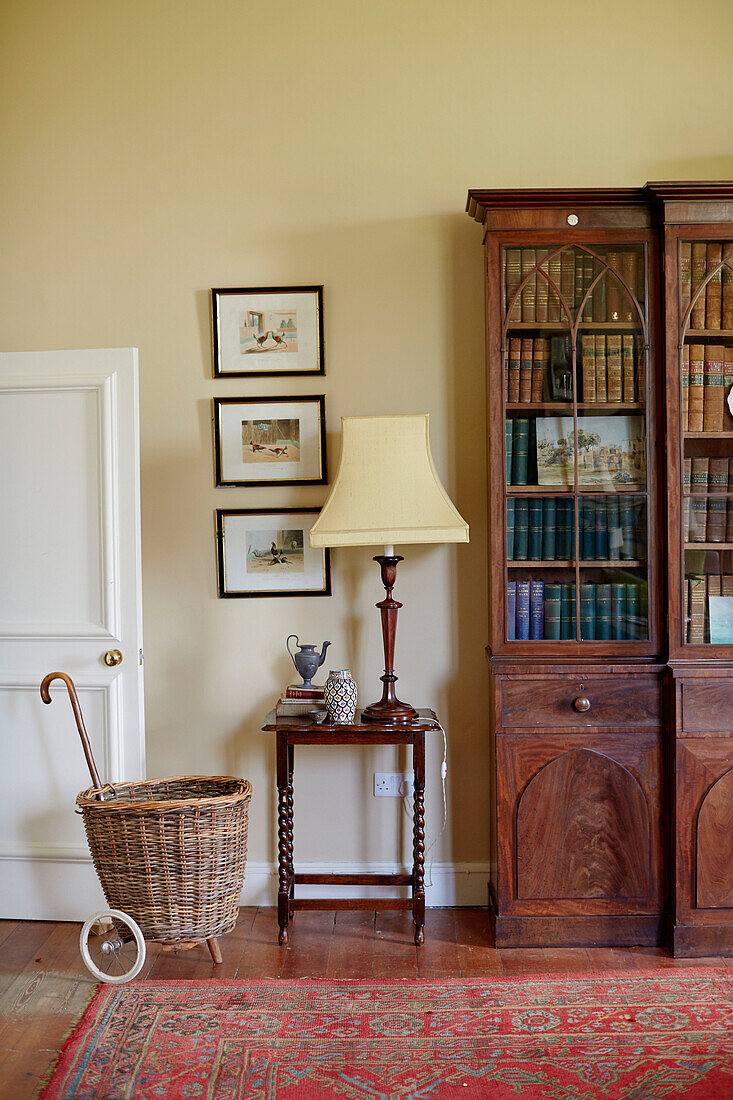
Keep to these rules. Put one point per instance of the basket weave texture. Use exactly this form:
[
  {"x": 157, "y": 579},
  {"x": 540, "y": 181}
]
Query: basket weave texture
[{"x": 171, "y": 852}]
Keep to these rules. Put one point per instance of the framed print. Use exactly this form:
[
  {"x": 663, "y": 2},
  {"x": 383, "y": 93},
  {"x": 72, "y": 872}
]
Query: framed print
[
  {"x": 264, "y": 552},
  {"x": 259, "y": 331},
  {"x": 270, "y": 440}
]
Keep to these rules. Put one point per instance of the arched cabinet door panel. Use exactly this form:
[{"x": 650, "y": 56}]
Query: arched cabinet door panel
[
  {"x": 583, "y": 831},
  {"x": 715, "y": 846}
]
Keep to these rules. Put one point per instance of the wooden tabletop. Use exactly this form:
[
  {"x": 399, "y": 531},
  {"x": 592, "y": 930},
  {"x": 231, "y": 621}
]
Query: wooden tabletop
[{"x": 303, "y": 723}]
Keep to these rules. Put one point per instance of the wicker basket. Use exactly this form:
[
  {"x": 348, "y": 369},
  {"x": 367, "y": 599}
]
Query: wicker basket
[{"x": 171, "y": 852}]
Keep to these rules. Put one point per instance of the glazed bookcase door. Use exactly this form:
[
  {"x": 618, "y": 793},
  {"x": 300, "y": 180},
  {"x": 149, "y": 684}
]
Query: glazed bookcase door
[
  {"x": 700, "y": 350},
  {"x": 574, "y": 369}
]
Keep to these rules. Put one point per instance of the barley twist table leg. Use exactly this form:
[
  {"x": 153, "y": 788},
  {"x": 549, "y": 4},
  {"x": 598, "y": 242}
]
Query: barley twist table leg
[
  {"x": 283, "y": 838},
  {"x": 418, "y": 839}
]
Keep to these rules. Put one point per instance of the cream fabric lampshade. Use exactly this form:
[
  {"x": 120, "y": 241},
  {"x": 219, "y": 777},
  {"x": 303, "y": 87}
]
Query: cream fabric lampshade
[{"x": 387, "y": 490}]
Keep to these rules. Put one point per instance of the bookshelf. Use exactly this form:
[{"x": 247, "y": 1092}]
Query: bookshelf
[
  {"x": 697, "y": 236},
  {"x": 609, "y": 338}
]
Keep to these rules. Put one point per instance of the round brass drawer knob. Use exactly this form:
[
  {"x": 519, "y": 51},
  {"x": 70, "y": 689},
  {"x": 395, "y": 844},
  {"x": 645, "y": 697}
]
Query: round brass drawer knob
[
  {"x": 113, "y": 657},
  {"x": 581, "y": 704}
]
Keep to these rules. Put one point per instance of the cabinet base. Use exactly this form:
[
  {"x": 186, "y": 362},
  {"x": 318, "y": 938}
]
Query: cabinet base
[
  {"x": 565, "y": 931},
  {"x": 696, "y": 941}
]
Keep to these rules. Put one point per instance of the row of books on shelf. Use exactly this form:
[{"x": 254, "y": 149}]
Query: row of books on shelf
[
  {"x": 612, "y": 371},
  {"x": 708, "y": 519},
  {"x": 611, "y": 528},
  {"x": 572, "y": 271},
  {"x": 707, "y": 376},
  {"x": 610, "y": 451},
  {"x": 545, "y": 610},
  {"x": 709, "y": 609},
  {"x": 713, "y": 309}
]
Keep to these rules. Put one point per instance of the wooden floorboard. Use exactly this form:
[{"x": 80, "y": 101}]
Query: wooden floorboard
[{"x": 44, "y": 986}]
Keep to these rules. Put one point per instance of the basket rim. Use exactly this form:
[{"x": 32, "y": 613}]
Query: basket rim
[{"x": 87, "y": 798}]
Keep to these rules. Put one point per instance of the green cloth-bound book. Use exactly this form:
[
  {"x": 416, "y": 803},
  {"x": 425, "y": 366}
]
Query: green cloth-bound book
[
  {"x": 613, "y": 522},
  {"x": 553, "y": 610},
  {"x": 549, "y": 516},
  {"x": 603, "y": 612},
  {"x": 632, "y": 628},
  {"x": 520, "y": 446},
  {"x": 534, "y": 545},
  {"x": 509, "y": 441},
  {"x": 626, "y": 517},
  {"x": 587, "y": 528},
  {"x": 510, "y": 505},
  {"x": 618, "y": 612},
  {"x": 587, "y": 612},
  {"x": 567, "y": 612},
  {"x": 521, "y": 520}
]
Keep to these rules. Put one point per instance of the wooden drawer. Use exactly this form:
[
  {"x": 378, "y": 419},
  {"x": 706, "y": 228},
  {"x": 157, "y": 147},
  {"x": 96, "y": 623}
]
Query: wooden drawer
[
  {"x": 707, "y": 706},
  {"x": 614, "y": 701}
]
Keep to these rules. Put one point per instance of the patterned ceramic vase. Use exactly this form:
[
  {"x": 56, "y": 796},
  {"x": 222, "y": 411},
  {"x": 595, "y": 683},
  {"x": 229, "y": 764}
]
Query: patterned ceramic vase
[{"x": 340, "y": 695}]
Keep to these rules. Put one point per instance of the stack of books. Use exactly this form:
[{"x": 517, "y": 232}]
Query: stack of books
[
  {"x": 612, "y": 527},
  {"x": 713, "y": 309},
  {"x": 540, "y": 609},
  {"x": 297, "y": 700},
  {"x": 707, "y": 376},
  {"x": 708, "y": 518},
  {"x": 521, "y": 451},
  {"x": 698, "y": 590},
  {"x": 572, "y": 271}
]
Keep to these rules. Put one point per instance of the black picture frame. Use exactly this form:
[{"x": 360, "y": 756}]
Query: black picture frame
[
  {"x": 228, "y": 594},
  {"x": 316, "y": 360},
  {"x": 220, "y": 403}
]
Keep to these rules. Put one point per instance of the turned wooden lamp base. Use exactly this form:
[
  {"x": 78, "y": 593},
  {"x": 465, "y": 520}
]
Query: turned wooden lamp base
[{"x": 389, "y": 710}]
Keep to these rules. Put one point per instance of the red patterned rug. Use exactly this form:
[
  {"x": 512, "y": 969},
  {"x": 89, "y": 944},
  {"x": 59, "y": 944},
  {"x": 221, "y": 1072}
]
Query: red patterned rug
[{"x": 631, "y": 1034}]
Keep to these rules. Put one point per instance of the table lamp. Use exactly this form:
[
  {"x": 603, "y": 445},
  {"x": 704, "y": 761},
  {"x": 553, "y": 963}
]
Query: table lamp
[{"x": 387, "y": 491}]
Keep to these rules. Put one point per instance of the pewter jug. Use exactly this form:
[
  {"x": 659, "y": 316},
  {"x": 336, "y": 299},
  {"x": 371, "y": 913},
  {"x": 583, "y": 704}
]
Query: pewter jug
[{"x": 307, "y": 661}]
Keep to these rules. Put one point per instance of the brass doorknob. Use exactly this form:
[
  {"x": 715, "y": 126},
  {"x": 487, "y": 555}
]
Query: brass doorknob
[
  {"x": 581, "y": 704},
  {"x": 113, "y": 657}
]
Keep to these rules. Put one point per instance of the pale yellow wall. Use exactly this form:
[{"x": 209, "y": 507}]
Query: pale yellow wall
[{"x": 152, "y": 149}]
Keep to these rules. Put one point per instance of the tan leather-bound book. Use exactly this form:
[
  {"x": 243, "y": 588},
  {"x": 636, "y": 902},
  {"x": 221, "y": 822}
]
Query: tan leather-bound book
[
  {"x": 567, "y": 278},
  {"x": 542, "y": 296},
  {"x": 699, "y": 504},
  {"x": 686, "y": 388},
  {"x": 529, "y": 290},
  {"x": 698, "y": 272},
  {"x": 578, "y": 289},
  {"x": 539, "y": 359},
  {"x": 515, "y": 359},
  {"x": 729, "y": 509},
  {"x": 512, "y": 279},
  {"x": 686, "y": 486},
  {"x": 726, "y": 320},
  {"x": 588, "y": 348},
  {"x": 613, "y": 288},
  {"x": 713, "y": 291},
  {"x": 629, "y": 265},
  {"x": 697, "y": 376},
  {"x": 525, "y": 371},
  {"x": 714, "y": 393},
  {"x": 698, "y": 595},
  {"x": 685, "y": 276},
  {"x": 588, "y": 276},
  {"x": 554, "y": 309},
  {"x": 727, "y": 387},
  {"x": 614, "y": 389},
  {"x": 726, "y": 584},
  {"x": 627, "y": 358},
  {"x": 717, "y": 483},
  {"x": 601, "y": 370}
]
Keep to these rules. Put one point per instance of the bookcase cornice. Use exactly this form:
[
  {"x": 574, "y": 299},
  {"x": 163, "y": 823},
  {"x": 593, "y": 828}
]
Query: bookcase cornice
[{"x": 482, "y": 200}]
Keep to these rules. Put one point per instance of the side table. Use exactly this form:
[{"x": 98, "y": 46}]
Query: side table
[{"x": 302, "y": 730}]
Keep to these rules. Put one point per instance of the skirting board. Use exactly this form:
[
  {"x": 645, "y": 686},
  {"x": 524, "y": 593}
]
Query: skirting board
[
  {"x": 58, "y": 882},
  {"x": 446, "y": 884}
]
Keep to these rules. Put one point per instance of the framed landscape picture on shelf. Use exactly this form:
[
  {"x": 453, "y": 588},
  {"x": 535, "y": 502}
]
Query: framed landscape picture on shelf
[
  {"x": 270, "y": 440},
  {"x": 258, "y": 331},
  {"x": 610, "y": 452},
  {"x": 266, "y": 552}
]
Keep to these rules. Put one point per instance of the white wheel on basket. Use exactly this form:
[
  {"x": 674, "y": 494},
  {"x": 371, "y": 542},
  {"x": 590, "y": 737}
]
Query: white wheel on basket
[{"x": 112, "y": 956}]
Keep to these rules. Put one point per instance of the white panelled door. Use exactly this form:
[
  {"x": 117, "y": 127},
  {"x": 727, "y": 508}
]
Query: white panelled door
[{"x": 70, "y": 591}]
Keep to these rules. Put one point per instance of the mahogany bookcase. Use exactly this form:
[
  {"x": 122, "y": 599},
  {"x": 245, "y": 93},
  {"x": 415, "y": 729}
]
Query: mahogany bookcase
[{"x": 611, "y": 576}]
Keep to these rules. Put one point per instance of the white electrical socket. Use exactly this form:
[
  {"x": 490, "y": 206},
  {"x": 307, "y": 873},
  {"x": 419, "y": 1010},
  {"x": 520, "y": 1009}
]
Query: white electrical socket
[{"x": 394, "y": 785}]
